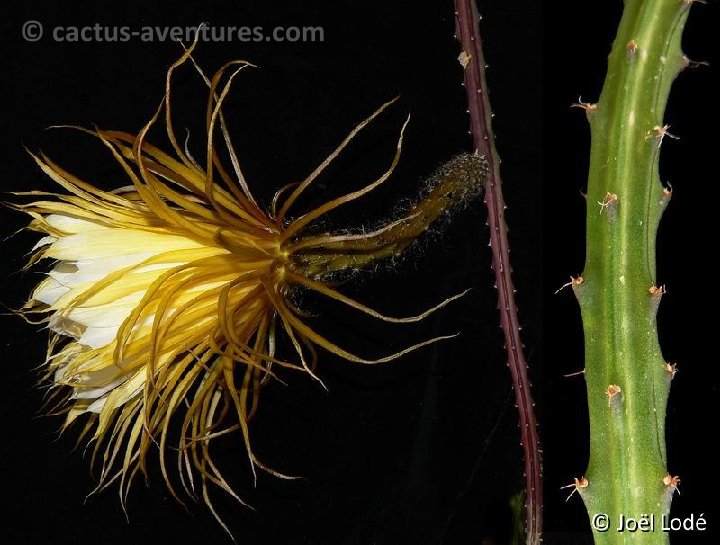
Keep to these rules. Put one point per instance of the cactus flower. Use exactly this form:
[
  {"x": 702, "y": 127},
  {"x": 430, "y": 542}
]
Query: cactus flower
[{"x": 166, "y": 297}]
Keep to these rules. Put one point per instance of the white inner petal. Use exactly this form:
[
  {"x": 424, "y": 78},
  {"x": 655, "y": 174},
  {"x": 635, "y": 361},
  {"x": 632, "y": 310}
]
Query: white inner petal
[
  {"x": 68, "y": 276},
  {"x": 68, "y": 224},
  {"x": 97, "y": 405},
  {"x": 44, "y": 241},
  {"x": 122, "y": 394},
  {"x": 97, "y": 337},
  {"x": 105, "y": 243},
  {"x": 99, "y": 325},
  {"x": 94, "y": 393},
  {"x": 110, "y": 315},
  {"x": 49, "y": 291},
  {"x": 89, "y": 270}
]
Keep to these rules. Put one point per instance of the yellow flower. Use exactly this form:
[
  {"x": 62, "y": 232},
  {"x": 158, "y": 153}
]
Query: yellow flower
[{"x": 167, "y": 296}]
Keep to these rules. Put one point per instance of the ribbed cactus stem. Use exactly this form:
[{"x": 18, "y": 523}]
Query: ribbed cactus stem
[{"x": 627, "y": 379}]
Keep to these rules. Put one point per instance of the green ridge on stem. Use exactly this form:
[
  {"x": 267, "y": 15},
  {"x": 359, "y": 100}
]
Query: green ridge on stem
[{"x": 627, "y": 378}]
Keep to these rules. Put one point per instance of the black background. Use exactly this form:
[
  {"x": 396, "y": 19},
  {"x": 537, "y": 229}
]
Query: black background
[{"x": 424, "y": 450}]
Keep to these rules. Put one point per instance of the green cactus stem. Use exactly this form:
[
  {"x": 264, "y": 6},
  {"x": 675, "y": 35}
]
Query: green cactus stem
[{"x": 627, "y": 379}]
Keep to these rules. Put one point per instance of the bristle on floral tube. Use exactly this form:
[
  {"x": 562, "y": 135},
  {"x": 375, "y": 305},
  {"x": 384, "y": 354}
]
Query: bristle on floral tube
[
  {"x": 167, "y": 297},
  {"x": 454, "y": 184}
]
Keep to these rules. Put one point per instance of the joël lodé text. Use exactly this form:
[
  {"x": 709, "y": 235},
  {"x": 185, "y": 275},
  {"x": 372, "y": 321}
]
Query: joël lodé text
[{"x": 650, "y": 523}]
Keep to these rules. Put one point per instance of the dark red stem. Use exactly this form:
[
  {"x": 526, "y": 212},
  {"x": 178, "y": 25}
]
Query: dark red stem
[{"x": 468, "y": 33}]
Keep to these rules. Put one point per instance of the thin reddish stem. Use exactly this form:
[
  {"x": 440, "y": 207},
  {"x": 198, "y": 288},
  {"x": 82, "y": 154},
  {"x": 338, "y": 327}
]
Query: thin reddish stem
[{"x": 468, "y": 34}]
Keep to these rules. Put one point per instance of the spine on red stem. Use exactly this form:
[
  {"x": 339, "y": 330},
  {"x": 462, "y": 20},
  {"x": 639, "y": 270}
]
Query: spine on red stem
[{"x": 473, "y": 62}]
